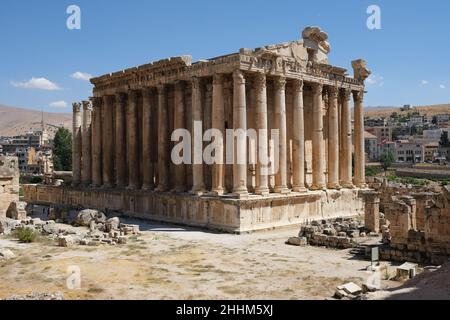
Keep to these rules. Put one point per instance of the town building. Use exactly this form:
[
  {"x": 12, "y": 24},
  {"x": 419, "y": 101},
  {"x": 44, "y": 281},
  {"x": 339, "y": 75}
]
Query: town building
[{"x": 409, "y": 151}]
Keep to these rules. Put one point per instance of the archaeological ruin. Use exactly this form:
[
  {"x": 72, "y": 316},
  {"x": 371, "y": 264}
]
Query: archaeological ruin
[
  {"x": 9, "y": 183},
  {"x": 123, "y": 142}
]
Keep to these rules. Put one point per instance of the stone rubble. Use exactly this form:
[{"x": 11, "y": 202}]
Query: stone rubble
[
  {"x": 39, "y": 296},
  {"x": 6, "y": 254}
]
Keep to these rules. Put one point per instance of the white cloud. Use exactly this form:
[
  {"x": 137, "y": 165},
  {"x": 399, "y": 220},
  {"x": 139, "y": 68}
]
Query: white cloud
[
  {"x": 81, "y": 76},
  {"x": 58, "y": 104},
  {"x": 36, "y": 83},
  {"x": 442, "y": 86},
  {"x": 375, "y": 80},
  {"x": 425, "y": 82}
]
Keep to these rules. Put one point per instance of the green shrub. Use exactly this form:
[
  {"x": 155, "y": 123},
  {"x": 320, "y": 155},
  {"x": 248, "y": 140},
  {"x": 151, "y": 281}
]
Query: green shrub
[{"x": 25, "y": 235}]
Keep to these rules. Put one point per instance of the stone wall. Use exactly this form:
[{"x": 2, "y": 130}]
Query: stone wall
[
  {"x": 9, "y": 183},
  {"x": 221, "y": 213}
]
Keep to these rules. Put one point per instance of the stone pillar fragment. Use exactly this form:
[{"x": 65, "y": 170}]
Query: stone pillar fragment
[
  {"x": 317, "y": 139},
  {"x": 360, "y": 159},
  {"x": 262, "y": 164},
  {"x": 298, "y": 149},
  {"x": 333, "y": 139},
  {"x": 76, "y": 144},
  {"x": 218, "y": 123},
  {"x": 163, "y": 141},
  {"x": 346, "y": 156},
  {"x": 132, "y": 141},
  {"x": 179, "y": 123},
  {"x": 147, "y": 170},
  {"x": 97, "y": 133},
  {"x": 240, "y": 131},
  {"x": 372, "y": 211},
  {"x": 120, "y": 140},
  {"x": 280, "y": 119},
  {"x": 107, "y": 145},
  {"x": 86, "y": 168},
  {"x": 198, "y": 178}
]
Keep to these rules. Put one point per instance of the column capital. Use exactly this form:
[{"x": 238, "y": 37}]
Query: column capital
[
  {"x": 218, "y": 79},
  {"x": 280, "y": 83},
  {"x": 297, "y": 84},
  {"x": 195, "y": 81},
  {"x": 96, "y": 101},
  {"x": 358, "y": 96},
  {"x": 239, "y": 77},
  {"x": 132, "y": 94},
  {"x": 332, "y": 92},
  {"x": 76, "y": 106},
  {"x": 260, "y": 81},
  {"x": 86, "y": 105},
  {"x": 179, "y": 85},
  {"x": 120, "y": 97},
  {"x": 346, "y": 94},
  {"x": 317, "y": 88}
]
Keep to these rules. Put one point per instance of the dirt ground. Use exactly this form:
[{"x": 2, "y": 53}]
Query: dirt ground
[{"x": 168, "y": 262}]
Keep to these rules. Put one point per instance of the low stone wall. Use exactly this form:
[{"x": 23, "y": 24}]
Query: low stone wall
[{"x": 225, "y": 214}]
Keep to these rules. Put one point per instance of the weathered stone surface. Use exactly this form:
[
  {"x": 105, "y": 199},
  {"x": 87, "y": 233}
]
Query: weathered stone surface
[
  {"x": 85, "y": 217},
  {"x": 351, "y": 288},
  {"x": 17, "y": 210},
  {"x": 297, "y": 241},
  {"x": 66, "y": 241},
  {"x": 6, "y": 254},
  {"x": 112, "y": 224}
]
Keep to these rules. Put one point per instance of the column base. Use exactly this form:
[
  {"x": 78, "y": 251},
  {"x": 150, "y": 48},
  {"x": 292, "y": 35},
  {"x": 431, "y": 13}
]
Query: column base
[
  {"x": 282, "y": 190},
  {"x": 178, "y": 190},
  {"x": 108, "y": 186},
  {"x": 131, "y": 188},
  {"x": 148, "y": 187},
  {"x": 318, "y": 187},
  {"x": 218, "y": 192},
  {"x": 362, "y": 185},
  {"x": 299, "y": 189},
  {"x": 198, "y": 192},
  {"x": 347, "y": 185},
  {"x": 262, "y": 191},
  {"x": 334, "y": 186},
  {"x": 241, "y": 195}
]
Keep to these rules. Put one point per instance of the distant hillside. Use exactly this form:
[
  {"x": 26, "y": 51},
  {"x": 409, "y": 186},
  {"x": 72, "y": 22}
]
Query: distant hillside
[
  {"x": 16, "y": 121},
  {"x": 424, "y": 110}
]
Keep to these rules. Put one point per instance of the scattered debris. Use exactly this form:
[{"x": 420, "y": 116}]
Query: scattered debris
[
  {"x": 39, "y": 296},
  {"x": 6, "y": 254}
]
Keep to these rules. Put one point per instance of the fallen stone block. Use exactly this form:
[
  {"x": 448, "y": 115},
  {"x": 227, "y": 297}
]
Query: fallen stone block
[
  {"x": 66, "y": 241},
  {"x": 351, "y": 288},
  {"x": 6, "y": 254},
  {"x": 297, "y": 241}
]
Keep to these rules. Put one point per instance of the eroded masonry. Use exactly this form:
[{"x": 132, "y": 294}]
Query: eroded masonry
[{"x": 122, "y": 144}]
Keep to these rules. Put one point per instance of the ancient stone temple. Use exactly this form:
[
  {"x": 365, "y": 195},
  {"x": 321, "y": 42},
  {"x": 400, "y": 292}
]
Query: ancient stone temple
[{"x": 298, "y": 104}]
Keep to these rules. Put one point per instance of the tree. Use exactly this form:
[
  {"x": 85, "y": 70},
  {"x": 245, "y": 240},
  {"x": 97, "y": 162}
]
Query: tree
[
  {"x": 62, "y": 150},
  {"x": 387, "y": 159},
  {"x": 445, "y": 142}
]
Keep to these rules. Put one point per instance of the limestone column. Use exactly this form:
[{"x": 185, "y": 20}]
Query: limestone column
[
  {"x": 333, "y": 139},
  {"x": 107, "y": 145},
  {"x": 97, "y": 132},
  {"x": 76, "y": 144},
  {"x": 86, "y": 169},
  {"x": 163, "y": 141},
  {"x": 198, "y": 179},
  {"x": 360, "y": 161},
  {"x": 132, "y": 140},
  {"x": 317, "y": 139},
  {"x": 147, "y": 170},
  {"x": 346, "y": 158},
  {"x": 298, "y": 148},
  {"x": 280, "y": 120},
  {"x": 240, "y": 130},
  {"x": 120, "y": 141},
  {"x": 180, "y": 110},
  {"x": 218, "y": 123},
  {"x": 262, "y": 164}
]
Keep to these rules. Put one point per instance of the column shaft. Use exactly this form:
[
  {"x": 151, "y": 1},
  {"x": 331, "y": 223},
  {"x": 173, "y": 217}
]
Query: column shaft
[
  {"x": 97, "y": 177},
  {"x": 360, "y": 161},
  {"x": 86, "y": 171},
  {"x": 346, "y": 157},
  {"x": 107, "y": 146},
  {"x": 179, "y": 123},
  {"x": 317, "y": 139},
  {"x": 298, "y": 148},
  {"x": 198, "y": 179},
  {"x": 240, "y": 131},
  {"x": 280, "y": 119},
  {"x": 120, "y": 141},
  {"x": 147, "y": 170},
  {"x": 163, "y": 141},
  {"x": 132, "y": 141},
  {"x": 218, "y": 123},
  {"x": 262, "y": 164},
  {"x": 76, "y": 144},
  {"x": 333, "y": 139}
]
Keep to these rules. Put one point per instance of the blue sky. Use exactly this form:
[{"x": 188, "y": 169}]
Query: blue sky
[{"x": 409, "y": 56}]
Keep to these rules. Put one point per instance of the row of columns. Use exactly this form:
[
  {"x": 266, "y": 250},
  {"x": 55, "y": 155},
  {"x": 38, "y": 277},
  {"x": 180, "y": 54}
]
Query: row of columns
[{"x": 108, "y": 138}]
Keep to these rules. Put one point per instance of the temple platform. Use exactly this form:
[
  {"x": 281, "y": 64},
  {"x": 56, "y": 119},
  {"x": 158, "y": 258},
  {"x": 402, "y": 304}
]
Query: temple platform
[{"x": 224, "y": 213}]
